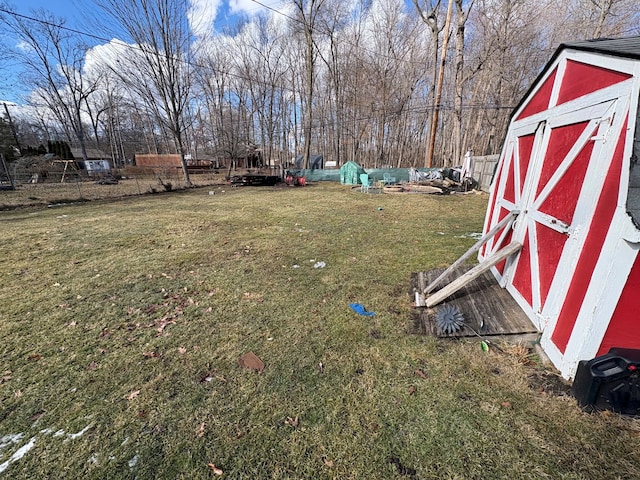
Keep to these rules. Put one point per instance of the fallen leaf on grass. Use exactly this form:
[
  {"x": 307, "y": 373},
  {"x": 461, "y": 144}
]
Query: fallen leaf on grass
[
  {"x": 182, "y": 350},
  {"x": 252, "y": 361},
  {"x": 506, "y": 404},
  {"x": 420, "y": 373},
  {"x": 35, "y": 357},
  {"x": 6, "y": 376},
  {"x": 294, "y": 422},
  {"x": 37, "y": 415},
  {"x": 17, "y": 393},
  {"x": 200, "y": 430},
  {"x": 327, "y": 462},
  {"x": 152, "y": 355},
  {"x": 92, "y": 366},
  {"x": 133, "y": 395},
  {"x": 163, "y": 324},
  {"x": 412, "y": 390},
  {"x": 215, "y": 469}
]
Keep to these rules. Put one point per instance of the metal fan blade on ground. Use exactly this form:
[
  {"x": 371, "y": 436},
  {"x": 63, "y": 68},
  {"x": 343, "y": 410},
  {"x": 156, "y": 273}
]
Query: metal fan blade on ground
[{"x": 449, "y": 319}]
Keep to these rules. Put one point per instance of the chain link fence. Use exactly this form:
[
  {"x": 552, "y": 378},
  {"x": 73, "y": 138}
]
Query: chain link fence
[{"x": 56, "y": 185}]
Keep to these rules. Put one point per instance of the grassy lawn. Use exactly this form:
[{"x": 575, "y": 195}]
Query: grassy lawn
[{"x": 121, "y": 324}]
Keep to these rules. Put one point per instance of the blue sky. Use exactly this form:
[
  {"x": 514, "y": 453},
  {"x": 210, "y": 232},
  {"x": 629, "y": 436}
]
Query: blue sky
[
  {"x": 61, "y": 8},
  {"x": 218, "y": 13},
  {"x": 227, "y": 10}
]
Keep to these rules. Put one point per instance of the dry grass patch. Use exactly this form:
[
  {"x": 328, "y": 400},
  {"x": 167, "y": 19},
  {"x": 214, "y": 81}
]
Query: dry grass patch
[{"x": 122, "y": 325}]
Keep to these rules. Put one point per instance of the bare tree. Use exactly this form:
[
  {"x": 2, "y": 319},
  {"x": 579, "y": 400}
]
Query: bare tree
[
  {"x": 53, "y": 60},
  {"x": 428, "y": 10},
  {"x": 308, "y": 12},
  {"x": 158, "y": 69},
  {"x": 462, "y": 16}
]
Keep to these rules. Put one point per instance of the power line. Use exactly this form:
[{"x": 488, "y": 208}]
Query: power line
[{"x": 56, "y": 25}]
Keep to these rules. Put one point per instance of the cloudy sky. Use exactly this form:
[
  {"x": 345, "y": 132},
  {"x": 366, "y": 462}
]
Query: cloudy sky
[
  {"x": 204, "y": 12},
  {"x": 204, "y": 15}
]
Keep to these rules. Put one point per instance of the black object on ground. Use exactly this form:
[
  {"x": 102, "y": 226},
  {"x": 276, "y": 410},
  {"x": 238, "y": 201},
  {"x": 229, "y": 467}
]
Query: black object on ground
[
  {"x": 254, "y": 180},
  {"x": 609, "y": 382}
]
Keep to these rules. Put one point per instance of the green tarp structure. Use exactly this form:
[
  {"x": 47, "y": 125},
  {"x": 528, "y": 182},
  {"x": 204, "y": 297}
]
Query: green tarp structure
[
  {"x": 350, "y": 173},
  {"x": 353, "y": 177}
]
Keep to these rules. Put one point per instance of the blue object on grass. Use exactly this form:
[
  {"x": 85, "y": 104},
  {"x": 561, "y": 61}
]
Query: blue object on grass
[{"x": 359, "y": 308}]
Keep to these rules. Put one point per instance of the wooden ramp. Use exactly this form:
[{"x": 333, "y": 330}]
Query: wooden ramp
[{"x": 487, "y": 308}]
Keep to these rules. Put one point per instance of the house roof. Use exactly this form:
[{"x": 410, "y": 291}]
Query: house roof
[
  {"x": 628, "y": 47},
  {"x": 92, "y": 154}
]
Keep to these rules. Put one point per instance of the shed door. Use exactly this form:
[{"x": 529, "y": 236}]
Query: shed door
[{"x": 547, "y": 164}]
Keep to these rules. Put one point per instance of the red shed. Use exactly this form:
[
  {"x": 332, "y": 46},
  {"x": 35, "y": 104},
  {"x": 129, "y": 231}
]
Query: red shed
[{"x": 569, "y": 179}]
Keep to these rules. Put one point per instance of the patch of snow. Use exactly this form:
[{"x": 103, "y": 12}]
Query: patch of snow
[
  {"x": 134, "y": 461},
  {"x": 59, "y": 433},
  {"x": 10, "y": 439},
  {"x": 475, "y": 235},
  {"x": 73, "y": 436},
  {"x": 21, "y": 452}
]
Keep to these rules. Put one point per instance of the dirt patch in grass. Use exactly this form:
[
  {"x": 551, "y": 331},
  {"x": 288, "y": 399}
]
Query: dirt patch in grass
[{"x": 548, "y": 383}]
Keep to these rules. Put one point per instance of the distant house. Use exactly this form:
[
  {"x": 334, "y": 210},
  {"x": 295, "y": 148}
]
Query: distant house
[{"x": 97, "y": 161}]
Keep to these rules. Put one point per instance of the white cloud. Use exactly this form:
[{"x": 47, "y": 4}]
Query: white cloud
[
  {"x": 252, "y": 8},
  {"x": 202, "y": 14},
  {"x": 24, "y": 46},
  {"x": 106, "y": 55}
]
